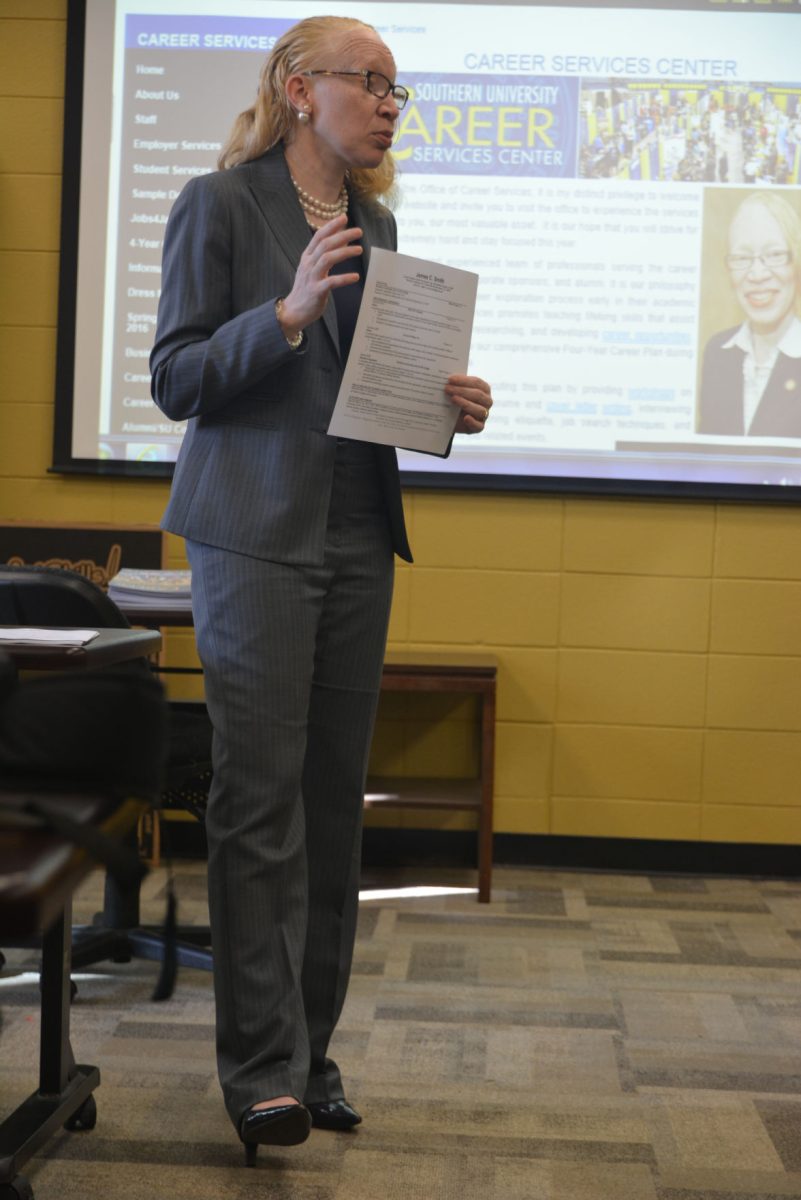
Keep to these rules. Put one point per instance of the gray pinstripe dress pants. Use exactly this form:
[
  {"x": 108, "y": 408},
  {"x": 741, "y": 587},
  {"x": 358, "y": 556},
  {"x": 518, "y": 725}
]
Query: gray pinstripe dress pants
[{"x": 292, "y": 658}]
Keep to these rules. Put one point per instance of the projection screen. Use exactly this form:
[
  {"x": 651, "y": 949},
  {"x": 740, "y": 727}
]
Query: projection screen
[{"x": 625, "y": 179}]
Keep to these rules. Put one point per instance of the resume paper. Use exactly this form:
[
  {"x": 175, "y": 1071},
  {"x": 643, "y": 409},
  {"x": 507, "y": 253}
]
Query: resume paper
[{"x": 413, "y": 331}]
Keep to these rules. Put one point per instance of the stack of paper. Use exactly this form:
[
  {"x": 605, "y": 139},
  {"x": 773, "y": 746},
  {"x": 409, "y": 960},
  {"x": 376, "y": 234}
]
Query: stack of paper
[
  {"x": 17, "y": 635},
  {"x": 132, "y": 588}
]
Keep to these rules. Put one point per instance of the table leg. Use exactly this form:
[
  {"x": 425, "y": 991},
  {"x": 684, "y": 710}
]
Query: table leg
[{"x": 65, "y": 1089}]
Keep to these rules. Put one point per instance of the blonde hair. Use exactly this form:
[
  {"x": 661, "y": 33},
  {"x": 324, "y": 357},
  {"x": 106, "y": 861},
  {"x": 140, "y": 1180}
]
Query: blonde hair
[
  {"x": 272, "y": 119},
  {"x": 789, "y": 222}
]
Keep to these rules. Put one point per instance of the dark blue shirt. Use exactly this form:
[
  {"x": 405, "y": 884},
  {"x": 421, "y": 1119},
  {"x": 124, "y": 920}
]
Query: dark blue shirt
[{"x": 348, "y": 301}]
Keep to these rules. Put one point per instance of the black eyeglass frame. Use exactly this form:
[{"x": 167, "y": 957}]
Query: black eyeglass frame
[{"x": 400, "y": 94}]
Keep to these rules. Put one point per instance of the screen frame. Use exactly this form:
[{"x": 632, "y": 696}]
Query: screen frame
[{"x": 65, "y": 463}]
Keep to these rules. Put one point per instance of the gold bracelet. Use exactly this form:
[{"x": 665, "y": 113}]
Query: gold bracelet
[{"x": 295, "y": 341}]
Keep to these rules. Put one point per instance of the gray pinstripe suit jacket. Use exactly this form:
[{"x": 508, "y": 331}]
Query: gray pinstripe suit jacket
[{"x": 255, "y": 468}]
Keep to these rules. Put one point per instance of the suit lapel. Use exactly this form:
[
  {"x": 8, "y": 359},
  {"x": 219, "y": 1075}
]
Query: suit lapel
[
  {"x": 274, "y": 193},
  {"x": 778, "y": 413},
  {"x": 272, "y": 188}
]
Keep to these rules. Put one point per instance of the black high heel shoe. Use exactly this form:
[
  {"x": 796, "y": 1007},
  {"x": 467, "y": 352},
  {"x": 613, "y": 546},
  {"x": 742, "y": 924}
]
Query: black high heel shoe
[
  {"x": 284, "y": 1125},
  {"x": 333, "y": 1114}
]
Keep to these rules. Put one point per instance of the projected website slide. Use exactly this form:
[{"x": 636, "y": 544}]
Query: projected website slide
[{"x": 575, "y": 159}]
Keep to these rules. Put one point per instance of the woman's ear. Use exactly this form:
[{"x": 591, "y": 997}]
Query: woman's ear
[{"x": 298, "y": 92}]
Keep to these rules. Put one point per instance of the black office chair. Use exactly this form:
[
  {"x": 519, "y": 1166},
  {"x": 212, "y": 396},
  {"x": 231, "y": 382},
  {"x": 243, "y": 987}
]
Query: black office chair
[{"x": 42, "y": 596}]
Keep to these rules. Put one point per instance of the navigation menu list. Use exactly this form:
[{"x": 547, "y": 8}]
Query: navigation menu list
[{"x": 172, "y": 130}]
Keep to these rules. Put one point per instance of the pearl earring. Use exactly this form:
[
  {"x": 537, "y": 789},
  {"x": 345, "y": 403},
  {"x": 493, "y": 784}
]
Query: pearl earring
[{"x": 304, "y": 117}]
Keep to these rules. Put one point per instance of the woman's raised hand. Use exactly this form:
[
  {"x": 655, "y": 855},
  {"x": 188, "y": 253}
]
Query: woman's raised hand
[
  {"x": 331, "y": 244},
  {"x": 474, "y": 397}
]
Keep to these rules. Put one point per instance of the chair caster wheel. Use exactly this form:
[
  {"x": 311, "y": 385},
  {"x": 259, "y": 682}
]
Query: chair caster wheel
[
  {"x": 84, "y": 1118},
  {"x": 18, "y": 1189}
]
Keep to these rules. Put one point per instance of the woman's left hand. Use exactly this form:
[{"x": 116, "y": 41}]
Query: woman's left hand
[{"x": 474, "y": 398}]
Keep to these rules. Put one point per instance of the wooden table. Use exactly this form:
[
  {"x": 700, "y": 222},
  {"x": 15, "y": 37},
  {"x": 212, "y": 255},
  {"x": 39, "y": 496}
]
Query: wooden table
[{"x": 39, "y": 871}]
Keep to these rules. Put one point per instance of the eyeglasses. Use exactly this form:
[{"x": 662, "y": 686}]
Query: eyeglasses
[
  {"x": 741, "y": 264},
  {"x": 375, "y": 83}
]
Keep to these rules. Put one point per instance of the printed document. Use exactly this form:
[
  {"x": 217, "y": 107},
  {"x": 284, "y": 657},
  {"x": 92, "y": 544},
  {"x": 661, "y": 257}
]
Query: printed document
[
  {"x": 18, "y": 635},
  {"x": 413, "y": 331}
]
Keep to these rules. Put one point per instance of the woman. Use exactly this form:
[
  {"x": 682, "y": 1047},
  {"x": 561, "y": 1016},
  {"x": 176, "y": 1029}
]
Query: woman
[
  {"x": 290, "y": 536},
  {"x": 751, "y": 377}
]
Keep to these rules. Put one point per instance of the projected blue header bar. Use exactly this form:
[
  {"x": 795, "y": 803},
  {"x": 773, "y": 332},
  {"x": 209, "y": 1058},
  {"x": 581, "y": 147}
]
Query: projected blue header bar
[{"x": 259, "y": 34}]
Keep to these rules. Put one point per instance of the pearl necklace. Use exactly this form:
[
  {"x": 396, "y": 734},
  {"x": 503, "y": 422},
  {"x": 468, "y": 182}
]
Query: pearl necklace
[{"x": 319, "y": 208}]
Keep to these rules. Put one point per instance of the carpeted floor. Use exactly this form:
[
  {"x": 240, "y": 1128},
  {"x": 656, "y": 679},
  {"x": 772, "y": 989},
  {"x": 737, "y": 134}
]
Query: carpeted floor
[{"x": 583, "y": 1037}]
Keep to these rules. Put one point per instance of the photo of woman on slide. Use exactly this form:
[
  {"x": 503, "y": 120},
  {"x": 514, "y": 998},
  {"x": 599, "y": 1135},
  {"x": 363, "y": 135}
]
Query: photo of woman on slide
[{"x": 751, "y": 375}]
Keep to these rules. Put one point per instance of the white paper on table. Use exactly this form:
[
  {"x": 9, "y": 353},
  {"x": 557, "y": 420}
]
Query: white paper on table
[
  {"x": 17, "y": 635},
  {"x": 413, "y": 331}
]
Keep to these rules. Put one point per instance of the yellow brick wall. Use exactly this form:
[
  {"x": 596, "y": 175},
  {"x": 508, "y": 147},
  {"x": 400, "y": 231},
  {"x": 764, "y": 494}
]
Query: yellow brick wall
[{"x": 650, "y": 652}]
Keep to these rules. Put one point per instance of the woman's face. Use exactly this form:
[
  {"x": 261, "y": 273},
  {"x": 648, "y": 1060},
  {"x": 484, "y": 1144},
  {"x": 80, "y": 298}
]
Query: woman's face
[
  {"x": 766, "y": 292},
  {"x": 352, "y": 126}
]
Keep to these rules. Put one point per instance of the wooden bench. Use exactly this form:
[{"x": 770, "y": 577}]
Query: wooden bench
[
  {"x": 404, "y": 671},
  {"x": 410, "y": 671}
]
